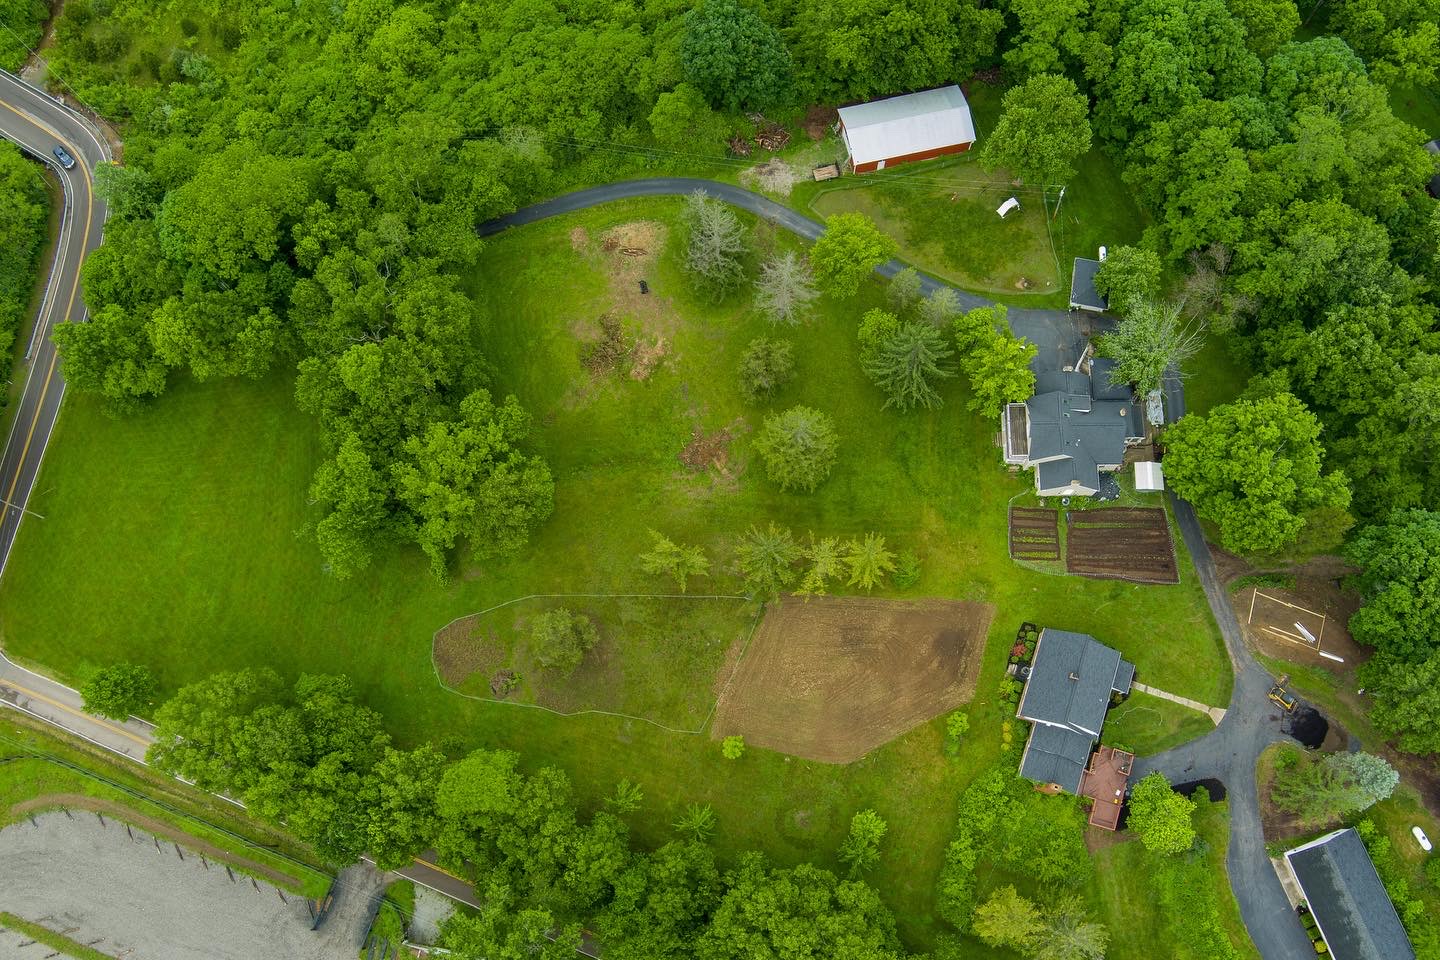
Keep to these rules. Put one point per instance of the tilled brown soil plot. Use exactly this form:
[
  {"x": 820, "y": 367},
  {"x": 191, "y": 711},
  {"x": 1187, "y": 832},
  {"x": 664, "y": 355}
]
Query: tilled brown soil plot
[
  {"x": 833, "y": 678},
  {"x": 1034, "y": 534},
  {"x": 1121, "y": 543}
]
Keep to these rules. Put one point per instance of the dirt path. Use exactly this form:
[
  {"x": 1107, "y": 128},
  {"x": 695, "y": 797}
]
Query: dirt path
[{"x": 79, "y": 801}]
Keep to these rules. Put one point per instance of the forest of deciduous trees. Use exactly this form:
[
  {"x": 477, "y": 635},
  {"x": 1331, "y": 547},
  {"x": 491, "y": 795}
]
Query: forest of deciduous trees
[
  {"x": 302, "y": 181},
  {"x": 24, "y": 207},
  {"x": 310, "y": 757}
]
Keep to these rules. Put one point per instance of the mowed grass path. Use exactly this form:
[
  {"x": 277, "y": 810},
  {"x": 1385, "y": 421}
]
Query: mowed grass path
[{"x": 175, "y": 538}]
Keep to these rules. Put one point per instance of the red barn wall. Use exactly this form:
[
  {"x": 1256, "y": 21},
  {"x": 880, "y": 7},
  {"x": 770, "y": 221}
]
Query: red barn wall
[{"x": 912, "y": 157}]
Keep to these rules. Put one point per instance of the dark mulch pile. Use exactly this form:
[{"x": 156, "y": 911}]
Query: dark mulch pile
[
  {"x": 1307, "y": 725},
  {"x": 1214, "y": 787}
]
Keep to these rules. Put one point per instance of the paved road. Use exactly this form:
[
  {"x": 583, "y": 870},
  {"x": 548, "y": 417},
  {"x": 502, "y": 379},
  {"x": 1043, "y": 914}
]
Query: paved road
[
  {"x": 1251, "y": 721},
  {"x": 1053, "y": 331},
  {"x": 60, "y": 706},
  {"x": 38, "y": 124},
  {"x": 1229, "y": 755}
]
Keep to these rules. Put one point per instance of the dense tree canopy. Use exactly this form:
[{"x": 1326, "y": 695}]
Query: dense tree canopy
[
  {"x": 119, "y": 690},
  {"x": 1399, "y": 581},
  {"x": 1162, "y": 818},
  {"x": 23, "y": 205},
  {"x": 301, "y": 756},
  {"x": 1253, "y": 468},
  {"x": 847, "y": 251},
  {"x": 1044, "y": 129},
  {"x": 735, "y": 58}
]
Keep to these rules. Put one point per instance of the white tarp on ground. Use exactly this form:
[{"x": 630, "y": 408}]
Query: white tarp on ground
[
  {"x": 912, "y": 123},
  {"x": 1149, "y": 476}
]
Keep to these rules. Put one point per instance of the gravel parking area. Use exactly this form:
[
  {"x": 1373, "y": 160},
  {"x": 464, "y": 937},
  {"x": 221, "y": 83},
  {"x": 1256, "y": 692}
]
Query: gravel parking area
[
  {"x": 431, "y": 910},
  {"x": 92, "y": 881}
]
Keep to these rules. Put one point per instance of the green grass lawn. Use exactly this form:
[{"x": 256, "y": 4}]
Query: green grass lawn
[
  {"x": 176, "y": 538},
  {"x": 1134, "y": 909},
  {"x": 1418, "y": 106},
  {"x": 1147, "y": 725},
  {"x": 55, "y": 941},
  {"x": 943, "y": 216},
  {"x": 1214, "y": 376},
  {"x": 655, "y": 657}
]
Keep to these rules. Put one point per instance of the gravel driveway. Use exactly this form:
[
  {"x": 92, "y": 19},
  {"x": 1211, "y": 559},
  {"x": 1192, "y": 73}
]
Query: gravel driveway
[{"x": 91, "y": 881}]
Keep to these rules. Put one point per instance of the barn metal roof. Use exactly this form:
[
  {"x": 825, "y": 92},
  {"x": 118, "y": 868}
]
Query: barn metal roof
[{"x": 907, "y": 124}]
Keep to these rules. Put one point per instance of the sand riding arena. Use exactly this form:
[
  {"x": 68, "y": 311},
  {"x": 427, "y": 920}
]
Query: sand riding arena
[{"x": 835, "y": 677}]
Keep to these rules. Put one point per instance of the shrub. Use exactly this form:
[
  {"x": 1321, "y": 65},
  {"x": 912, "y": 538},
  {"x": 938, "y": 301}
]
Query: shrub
[
  {"x": 798, "y": 447},
  {"x": 957, "y": 724},
  {"x": 907, "y": 570},
  {"x": 119, "y": 690},
  {"x": 732, "y": 747},
  {"x": 559, "y": 639},
  {"x": 765, "y": 367}
]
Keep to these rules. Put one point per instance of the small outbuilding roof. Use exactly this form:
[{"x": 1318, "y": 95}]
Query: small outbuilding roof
[
  {"x": 1149, "y": 476},
  {"x": 1347, "y": 899},
  {"x": 1082, "y": 286},
  {"x": 908, "y": 124},
  {"x": 1434, "y": 187}
]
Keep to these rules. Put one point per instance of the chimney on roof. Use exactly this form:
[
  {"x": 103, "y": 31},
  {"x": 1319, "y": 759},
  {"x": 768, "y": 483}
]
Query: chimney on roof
[{"x": 1074, "y": 675}]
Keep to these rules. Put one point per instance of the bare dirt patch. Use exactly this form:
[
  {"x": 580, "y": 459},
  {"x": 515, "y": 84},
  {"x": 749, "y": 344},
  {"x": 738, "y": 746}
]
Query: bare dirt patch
[
  {"x": 629, "y": 253},
  {"x": 711, "y": 451},
  {"x": 1317, "y": 591},
  {"x": 1269, "y": 617},
  {"x": 774, "y": 176},
  {"x": 819, "y": 121},
  {"x": 460, "y": 650},
  {"x": 833, "y": 678},
  {"x": 647, "y": 357},
  {"x": 579, "y": 239},
  {"x": 1121, "y": 543}
]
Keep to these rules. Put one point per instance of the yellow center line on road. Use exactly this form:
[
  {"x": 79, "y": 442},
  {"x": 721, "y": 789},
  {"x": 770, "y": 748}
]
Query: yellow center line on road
[
  {"x": 71, "y": 710},
  {"x": 69, "y": 305},
  {"x": 427, "y": 863}
]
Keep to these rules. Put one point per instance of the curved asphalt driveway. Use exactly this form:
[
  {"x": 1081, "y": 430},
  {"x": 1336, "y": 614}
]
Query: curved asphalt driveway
[
  {"x": 1053, "y": 331},
  {"x": 1251, "y": 723},
  {"x": 38, "y": 124}
]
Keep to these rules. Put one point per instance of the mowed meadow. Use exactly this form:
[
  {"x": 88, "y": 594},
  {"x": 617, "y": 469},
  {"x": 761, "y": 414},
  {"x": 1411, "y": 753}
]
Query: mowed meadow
[{"x": 178, "y": 538}]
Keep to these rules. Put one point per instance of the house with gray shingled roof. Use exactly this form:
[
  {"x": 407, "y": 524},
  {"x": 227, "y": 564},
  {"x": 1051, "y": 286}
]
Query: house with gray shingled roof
[
  {"x": 1347, "y": 899},
  {"x": 1076, "y": 426},
  {"x": 1072, "y": 677}
]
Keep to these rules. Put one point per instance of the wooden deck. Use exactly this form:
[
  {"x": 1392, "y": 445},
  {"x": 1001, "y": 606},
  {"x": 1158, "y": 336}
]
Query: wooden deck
[{"x": 1104, "y": 782}]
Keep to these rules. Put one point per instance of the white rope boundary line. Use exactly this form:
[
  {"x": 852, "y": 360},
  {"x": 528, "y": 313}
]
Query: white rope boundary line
[{"x": 435, "y": 668}]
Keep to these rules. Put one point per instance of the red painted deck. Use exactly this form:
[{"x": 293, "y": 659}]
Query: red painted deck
[{"x": 1104, "y": 782}]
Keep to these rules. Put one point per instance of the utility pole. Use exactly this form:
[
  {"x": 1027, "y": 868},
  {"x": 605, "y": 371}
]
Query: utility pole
[{"x": 1058, "y": 200}]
